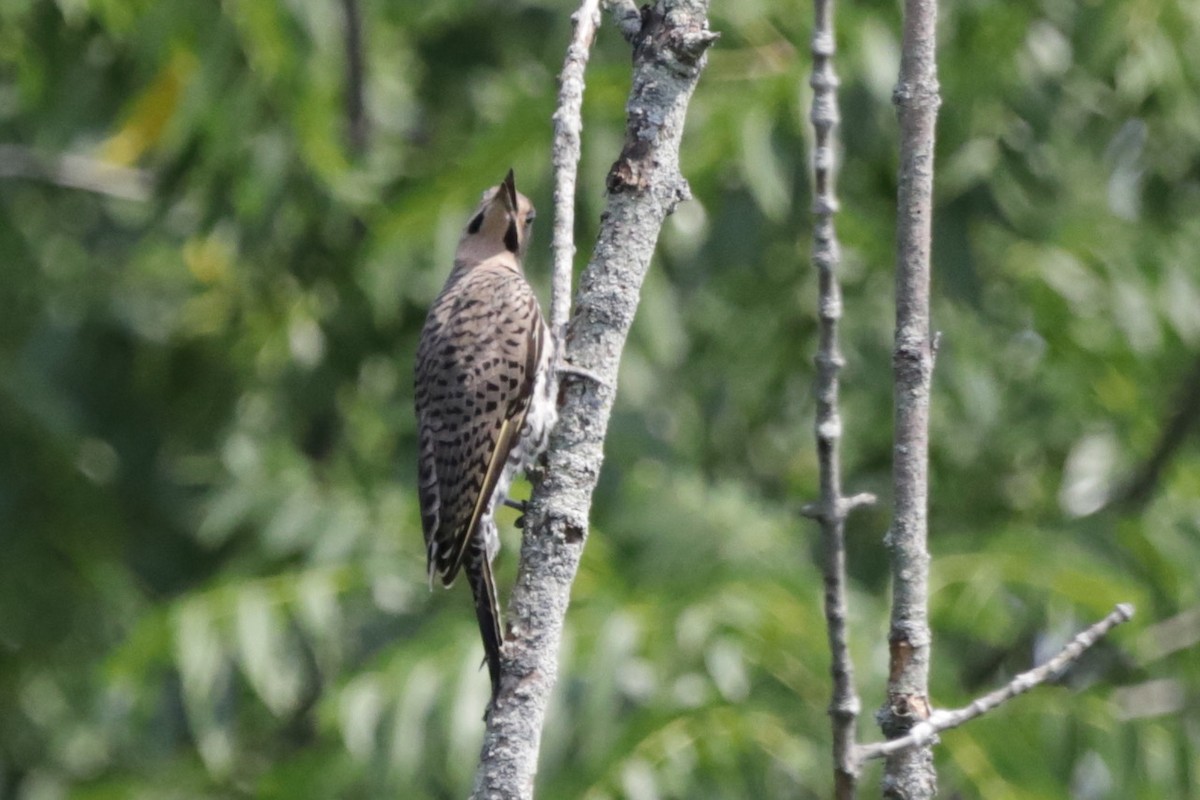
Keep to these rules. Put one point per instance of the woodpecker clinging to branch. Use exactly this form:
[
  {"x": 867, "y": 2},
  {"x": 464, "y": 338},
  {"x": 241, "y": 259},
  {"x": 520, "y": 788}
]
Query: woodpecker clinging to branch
[{"x": 484, "y": 399}]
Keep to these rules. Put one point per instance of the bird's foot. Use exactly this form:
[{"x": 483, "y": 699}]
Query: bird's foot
[
  {"x": 521, "y": 506},
  {"x": 581, "y": 372}
]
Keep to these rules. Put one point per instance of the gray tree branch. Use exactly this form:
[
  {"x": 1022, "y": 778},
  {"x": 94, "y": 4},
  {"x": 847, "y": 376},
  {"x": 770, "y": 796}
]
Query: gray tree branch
[
  {"x": 568, "y": 124},
  {"x": 909, "y": 773},
  {"x": 832, "y": 508},
  {"x": 644, "y": 186},
  {"x": 926, "y": 732}
]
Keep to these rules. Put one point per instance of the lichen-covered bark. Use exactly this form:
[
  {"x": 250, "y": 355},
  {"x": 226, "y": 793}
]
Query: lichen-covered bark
[{"x": 644, "y": 187}]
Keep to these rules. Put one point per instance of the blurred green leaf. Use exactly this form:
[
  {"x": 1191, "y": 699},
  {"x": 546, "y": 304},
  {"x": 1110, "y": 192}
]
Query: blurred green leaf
[{"x": 213, "y": 572}]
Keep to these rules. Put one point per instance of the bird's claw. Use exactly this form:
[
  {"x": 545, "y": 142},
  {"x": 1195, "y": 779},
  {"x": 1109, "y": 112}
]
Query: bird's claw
[
  {"x": 522, "y": 506},
  {"x": 581, "y": 372}
]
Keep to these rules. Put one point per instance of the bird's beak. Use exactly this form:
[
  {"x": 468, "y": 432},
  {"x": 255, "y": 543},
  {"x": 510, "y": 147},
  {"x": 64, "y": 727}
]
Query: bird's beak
[{"x": 509, "y": 190}]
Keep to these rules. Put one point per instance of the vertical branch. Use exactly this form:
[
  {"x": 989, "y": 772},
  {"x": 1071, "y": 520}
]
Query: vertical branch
[
  {"x": 356, "y": 116},
  {"x": 568, "y": 124},
  {"x": 644, "y": 186},
  {"x": 355, "y": 105},
  {"x": 831, "y": 510},
  {"x": 909, "y": 774}
]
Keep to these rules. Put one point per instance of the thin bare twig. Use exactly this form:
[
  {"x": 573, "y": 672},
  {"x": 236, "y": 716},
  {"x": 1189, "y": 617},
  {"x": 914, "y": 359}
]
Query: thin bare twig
[
  {"x": 909, "y": 774},
  {"x": 848, "y": 504},
  {"x": 75, "y": 172},
  {"x": 568, "y": 124},
  {"x": 831, "y": 510},
  {"x": 925, "y": 733},
  {"x": 644, "y": 186}
]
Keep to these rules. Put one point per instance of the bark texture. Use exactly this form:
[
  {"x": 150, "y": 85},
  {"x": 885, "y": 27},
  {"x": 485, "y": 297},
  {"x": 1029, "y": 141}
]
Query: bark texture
[
  {"x": 909, "y": 774},
  {"x": 568, "y": 126},
  {"x": 832, "y": 508},
  {"x": 644, "y": 186}
]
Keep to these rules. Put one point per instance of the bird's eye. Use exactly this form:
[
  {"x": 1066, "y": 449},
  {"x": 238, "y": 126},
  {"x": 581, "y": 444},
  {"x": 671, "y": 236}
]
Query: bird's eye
[
  {"x": 511, "y": 240},
  {"x": 475, "y": 224}
]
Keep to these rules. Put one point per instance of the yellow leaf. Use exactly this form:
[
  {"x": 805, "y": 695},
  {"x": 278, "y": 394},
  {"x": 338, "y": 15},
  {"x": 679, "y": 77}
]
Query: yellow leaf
[{"x": 150, "y": 112}]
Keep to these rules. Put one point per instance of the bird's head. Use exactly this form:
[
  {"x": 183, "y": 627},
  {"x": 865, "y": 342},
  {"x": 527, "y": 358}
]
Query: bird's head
[{"x": 501, "y": 224}]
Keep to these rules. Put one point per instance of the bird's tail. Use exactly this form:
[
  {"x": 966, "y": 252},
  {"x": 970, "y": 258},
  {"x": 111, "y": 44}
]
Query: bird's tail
[{"x": 487, "y": 611}]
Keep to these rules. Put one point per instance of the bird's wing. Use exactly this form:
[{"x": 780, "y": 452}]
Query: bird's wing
[
  {"x": 474, "y": 382},
  {"x": 428, "y": 489}
]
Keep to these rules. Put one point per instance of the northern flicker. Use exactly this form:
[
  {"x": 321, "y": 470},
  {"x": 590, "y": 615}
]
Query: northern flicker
[{"x": 484, "y": 399}]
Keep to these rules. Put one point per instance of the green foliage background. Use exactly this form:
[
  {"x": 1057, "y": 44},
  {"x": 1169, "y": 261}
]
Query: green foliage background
[{"x": 212, "y": 579}]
